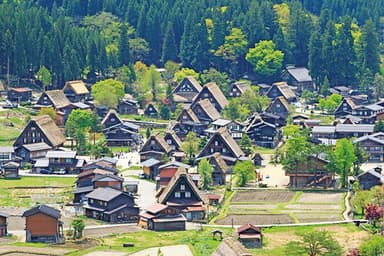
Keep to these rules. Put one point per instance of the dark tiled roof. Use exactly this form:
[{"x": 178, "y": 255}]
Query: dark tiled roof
[
  {"x": 300, "y": 74},
  {"x": 43, "y": 209},
  {"x": 105, "y": 194}
]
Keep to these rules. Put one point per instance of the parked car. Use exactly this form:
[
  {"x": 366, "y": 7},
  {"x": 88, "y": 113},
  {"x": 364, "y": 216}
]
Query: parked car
[{"x": 45, "y": 171}]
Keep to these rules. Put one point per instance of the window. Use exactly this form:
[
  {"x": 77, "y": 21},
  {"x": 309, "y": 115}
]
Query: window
[
  {"x": 187, "y": 194},
  {"x": 113, "y": 119},
  {"x": 177, "y": 194},
  {"x": 182, "y": 187},
  {"x": 153, "y": 142},
  {"x": 91, "y": 201},
  {"x": 216, "y": 143},
  {"x": 169, "y": 142},
  {"x": 224, "y": 150}
]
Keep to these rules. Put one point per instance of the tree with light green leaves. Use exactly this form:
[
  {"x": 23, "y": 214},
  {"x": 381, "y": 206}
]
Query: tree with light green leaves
[
  {"x": 108, "y": 93},
  {"x": 77, "y": 124},
  {"x": 265, "y": 59},
  {"x": 236, "y": 110},
  {"x": 341, "y": 160},
  {"x": 314, "y": 243},
  {"x": 152, "y": 79},
  {"x": 45, "y": 76},
  {"x": 373, "y": 246},
  {"x": 244, "y": 171},
  {"x": 190, "y": 146},
  {"x": 205, "y": 171},
  {"x": 330, "y": 103}
]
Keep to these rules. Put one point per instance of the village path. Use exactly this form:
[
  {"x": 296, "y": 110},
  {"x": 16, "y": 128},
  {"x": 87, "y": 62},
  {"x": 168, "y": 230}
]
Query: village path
[{"x": 273, "y": 174}]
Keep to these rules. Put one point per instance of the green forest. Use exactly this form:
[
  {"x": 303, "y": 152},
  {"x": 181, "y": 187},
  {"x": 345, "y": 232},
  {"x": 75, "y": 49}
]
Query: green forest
[{"x": 338, "y": 40}]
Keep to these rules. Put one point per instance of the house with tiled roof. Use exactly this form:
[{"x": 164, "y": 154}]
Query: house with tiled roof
[
  {"x": 373, "y": 145},
  {"x": 43, "y": 225},
  {"x": 182, "y": 194},
  {"x": 250, "y": 236},
  {"x": 186, "y": 90},
  {"x": 167, "y": 171},
  {"x": 281, "y": 89},
  {"x": 223, "y": 143},
  {"x": 111, "y": 205},
  {"x": 371, "y": 177},
  {"x": 128, "y": 107},
  {"x": 40, "y": 129},
  {"x": 299, "y": 77},
  {"x": 19, "y": 94},
  {"x": 345, "y": 108},
  {"x": 123, "y": 134},
  {"x": 155, "y": 147},
  {"x": 76, "y": 91},
  {"x": 212, "y": 92},
  {"x": 160, "y": 217},
  {"x": 238, "y": 88}
]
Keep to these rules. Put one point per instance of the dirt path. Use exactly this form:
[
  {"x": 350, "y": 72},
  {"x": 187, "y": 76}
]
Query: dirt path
[{"x": 179, "y": 250}]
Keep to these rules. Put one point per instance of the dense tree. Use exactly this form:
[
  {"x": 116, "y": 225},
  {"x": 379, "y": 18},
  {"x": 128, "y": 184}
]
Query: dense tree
[
  {"x": 220, "y": 78},
  {"x": 330, "y": 103},
  {"x": 78, "y": 226},
  {"x": 368, "y": 48},
  {"x": 205, "y": 171},
  {"x": 246, "y": 144},
  {"x": 373, "y": 213},
  {"x": 108, "y": 93},
  {"x": 151, "y": 80},
  {"x": 169, "y": 52},
  {"x": 48, "y": 111},
  {"x": 77, "y": 124},
  {"x": 244, "y": 171},
  {"x": 236, "y": 110},
  {"x": 265, "y": 59},
  {"x": 44, "y": 76}
]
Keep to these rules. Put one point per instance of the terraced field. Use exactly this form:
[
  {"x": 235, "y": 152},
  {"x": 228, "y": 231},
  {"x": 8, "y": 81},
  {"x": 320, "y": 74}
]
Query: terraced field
[{"x": 263, "y": 207}]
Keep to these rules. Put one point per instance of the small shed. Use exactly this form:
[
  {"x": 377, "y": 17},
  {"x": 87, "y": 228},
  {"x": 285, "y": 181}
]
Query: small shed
[
  {"x": 150, "y": 168},
  {"x": 10, "y": 170},
  {"x": 3, "y": 224},
  {"x": 250, "y": 236}
]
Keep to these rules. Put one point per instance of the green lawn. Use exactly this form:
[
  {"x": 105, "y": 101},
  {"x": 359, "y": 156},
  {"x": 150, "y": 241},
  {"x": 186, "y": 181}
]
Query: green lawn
[
  {"x": 28, "y": 191},
  {"x": 200, "y": 242}
]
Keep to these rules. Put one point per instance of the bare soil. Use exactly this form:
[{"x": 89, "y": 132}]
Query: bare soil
[
  {"x": 263, "y": 196},
  {"x": 259, "y": 219},
  {"x": 320, "y": 198}
]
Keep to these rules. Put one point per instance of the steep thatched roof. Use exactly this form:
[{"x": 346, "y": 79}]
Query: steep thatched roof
[
  {"x": 77, "y": 86},
  {"x": 50, "y": 129},
  {"x": 58, "y": 98}
]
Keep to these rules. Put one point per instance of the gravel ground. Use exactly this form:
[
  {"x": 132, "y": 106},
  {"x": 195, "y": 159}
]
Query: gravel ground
[
  {"x": 100, "y": 232},
  {"x": 263, "y": 196}
]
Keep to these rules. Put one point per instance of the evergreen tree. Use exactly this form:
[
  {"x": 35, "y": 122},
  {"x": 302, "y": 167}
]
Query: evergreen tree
[
  {"x": 124, "y": 45},
  {"x": 169, "y": 51}
]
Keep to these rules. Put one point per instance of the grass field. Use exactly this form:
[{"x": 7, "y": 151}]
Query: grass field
[
  {"x": 28, "y": 191},
  {"x": 200, "y": 242},
  {"x": 263, "y": 207}
]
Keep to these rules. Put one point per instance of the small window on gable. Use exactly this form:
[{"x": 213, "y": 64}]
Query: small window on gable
[
  {"x": 216, "y": 143},
  {"x": 153, "y": 142},
  {"x": 182, "y": 187},
  {"x": 113, "y": 119},
  {"x": 177, "y": 195},
  {"x": 187, "y": 194},
  {"x": 224, "y": 150}
]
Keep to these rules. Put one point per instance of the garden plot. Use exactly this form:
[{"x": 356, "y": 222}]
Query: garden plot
[
  {"x": 263, "y": 196},
  {"x": 263, "y": 207}
]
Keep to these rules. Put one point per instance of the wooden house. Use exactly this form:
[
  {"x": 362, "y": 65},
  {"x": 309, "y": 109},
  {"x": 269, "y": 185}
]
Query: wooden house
[
  {"x": 262, "y": 133},
  {"x": 280, "y": 107},
  {"x": 108, "y": 180},
  {"x": 234, "y": 128},
  {"x": 263, "y": 89},
  {"x": 43, "y": 224},
  {"x": 3, "y": 224},
  {"x": 299, "y": 77},
  {"x": 151, "y": 110},
  {"x": 6, "y": 154},
  {"x": 155, "y": 147},
  {"x": 212, "y": 92},
  {"x": 368, "y": 113},
  {"x": 352, "y": 130},
  {"x": 63, "y": 162},
  {"x": 19, "y": 95},
  {"x": 223, "y": 143},
  {"x": 10, "y": 170},
  {"x": 111, "y": 205},
  {"x": 238, "y": 88},
  {"x": 172, "y": 140},
  {"x": 257, "y": 159},
  {"x": 188, "y": 122},
  {"x": 150, "y": 168},
  {"x": 373, "y": 145},
  {"x": 344, "y": 91},
  {"x": 57, "y": 100},
  {"x": 281, "y": 89},
  {"x": 186, "y": 90},
  {"x": 370, "y": 178},
  {"x": 128, "y": 107},
  {"x": 167, "y": 171},
  {"x": 220, "y": 169},
  {"x": 40, "y": 129},
  {"x": 182, "y": 194},
  {"x": 122, "y": 134},
  {"x": 205, "y": 111},
  {"x": 250, "y": 236},
  {"x": 111, "y": 119},
  {"x": 159, "y": 217},
  {"x": 86, "y": 178},
  {"x": 310, "y": 173},
  {"x": 76, "y": 91},
  {"x": 345, "y": 108}
]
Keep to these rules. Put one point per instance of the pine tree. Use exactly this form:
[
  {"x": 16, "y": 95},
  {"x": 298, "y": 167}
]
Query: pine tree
[
  {"x": 124, "y": 45},
  {"x": 169, "y": 51}
]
